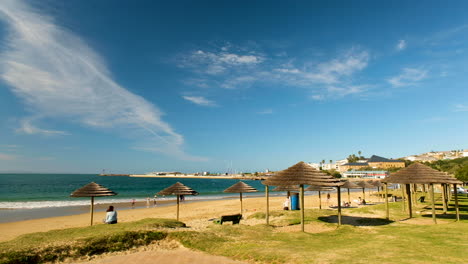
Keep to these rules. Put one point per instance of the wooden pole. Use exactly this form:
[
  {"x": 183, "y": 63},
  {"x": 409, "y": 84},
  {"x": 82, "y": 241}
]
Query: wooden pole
[
  {"x": 320, "y": 200},
  {"x": 444, "y": 198},
  {"x": 267, "y": 205},
  {"x": 410, "y": 208},
  {"x": 178, "y": 201},
  {"x": 387, "y": 212},
  {"x": 302, "y": 206},
  {"x": 363, "y": 194},
  {"x": 92, "y": 209},
  {"x": 403, "y": 196},
  {"x": 433, "y": 204},
  {"x": 456, "y": 202},
  {"x": 339, "y": 205},
  {"x": 349, "y": 197},
  {"x": 242, "y": 211}
]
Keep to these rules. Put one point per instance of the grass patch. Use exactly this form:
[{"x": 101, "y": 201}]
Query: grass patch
[{"x": 87, "y": 241}]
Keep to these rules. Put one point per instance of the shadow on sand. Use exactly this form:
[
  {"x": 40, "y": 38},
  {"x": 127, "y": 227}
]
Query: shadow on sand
[{"x": 356, "y": 220}]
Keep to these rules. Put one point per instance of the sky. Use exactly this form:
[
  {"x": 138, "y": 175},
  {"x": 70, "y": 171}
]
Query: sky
[{"x": 140, "y": 86}]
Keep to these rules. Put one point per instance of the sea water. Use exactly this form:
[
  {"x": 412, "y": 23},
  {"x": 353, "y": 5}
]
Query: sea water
[{"x": 29, "y": 191}]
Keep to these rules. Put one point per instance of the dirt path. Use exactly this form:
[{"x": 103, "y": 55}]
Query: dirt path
[{"x": 176, "y": 256}]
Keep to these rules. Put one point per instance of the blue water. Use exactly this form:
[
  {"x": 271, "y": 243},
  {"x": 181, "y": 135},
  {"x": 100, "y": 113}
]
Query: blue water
[{"x": 53, "y": 190}]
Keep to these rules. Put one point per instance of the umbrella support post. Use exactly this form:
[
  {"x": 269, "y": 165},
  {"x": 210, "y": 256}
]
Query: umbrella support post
[
  {"x": 92, "y": 209},
  {"x": 408, "y": 192},
  {"x": 433, "y": 204},
  {"x": 320, "y": 200},
  {"x": 387, "y": 213},
  {"x": 444, "y": 198},
  {"x": 403, "y": 196},
  {"x": 456, "y": 202},
  {"x": 339, "y": 205},
  {"x": 349, "y": 197},
  {"x": 267, "y": 215},
  {"x": 242, "y": 211},
  {"x": 178, "y": 201},
  {"x": 302, "y": 206},
  {"x": 363, "y": 194}
]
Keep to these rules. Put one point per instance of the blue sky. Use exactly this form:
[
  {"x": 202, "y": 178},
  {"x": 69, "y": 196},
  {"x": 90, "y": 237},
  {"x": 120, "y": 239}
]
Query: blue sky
[{"x": 139, "y": 86}]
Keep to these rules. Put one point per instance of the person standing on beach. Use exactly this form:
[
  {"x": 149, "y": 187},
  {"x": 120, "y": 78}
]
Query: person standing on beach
[
  {"x": 147, "y": 202},
  {"x": 328, "y": 198},
  {"x": 133, "y": 203},
  {"x": 111, "y": 216},
  {"x": 154, "y": 201}
]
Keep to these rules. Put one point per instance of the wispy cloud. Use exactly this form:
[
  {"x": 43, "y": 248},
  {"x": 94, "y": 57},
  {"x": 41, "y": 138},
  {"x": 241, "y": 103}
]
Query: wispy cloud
[
  {"x": 4, "y": 156},
  {"x": 57, "y": 75},
  {"x": 461, "y": 108},
  {"x": 199, "y": 100},
  {"x": 401, "y": 45},
  {"x": 408, "y": 77},
  {"x": 215, "y": 63},
  {"x": 265, "y": 112},
  {"x": 229, "y": 70}
]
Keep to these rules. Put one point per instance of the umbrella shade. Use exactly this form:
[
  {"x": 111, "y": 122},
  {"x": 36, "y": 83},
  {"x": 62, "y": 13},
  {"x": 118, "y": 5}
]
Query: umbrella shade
[
  {"x": 301, "y": 173},
  {"x": 365, "y": 185},
  {"x": 350, "y": 185},
  {"x": 376, "y": 183},
  {"x": 178, "y": 189},
  {"x": 289, "y": 188},
  {"x": 420, "y": 173},
  {"x": 319, "y": 188},
  {"x": 92, "y": 190},
  {"x": 240, "y": 187}
]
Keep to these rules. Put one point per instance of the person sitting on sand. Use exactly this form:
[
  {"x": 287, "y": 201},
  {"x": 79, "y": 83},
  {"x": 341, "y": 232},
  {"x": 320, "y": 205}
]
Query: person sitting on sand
[
  {"x": 111, "y": 216},
  {"x": 286, "y": 204}
]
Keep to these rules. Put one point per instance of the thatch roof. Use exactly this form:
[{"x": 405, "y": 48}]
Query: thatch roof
[
  {"x": 178, "y": 189},
  {"x": 376, "y": 183},
  {"x": 350, "y": 185},
  {"x": 240, "y": 187},
  {"x": 293, "y": 188},
  {"x": 92, "y": 190},
  {"x": 301, "y": 173},
  {"x": 318, "y": 188},
  {"x": 365, "y": 185},
  {"x": 422, "y": 174}
]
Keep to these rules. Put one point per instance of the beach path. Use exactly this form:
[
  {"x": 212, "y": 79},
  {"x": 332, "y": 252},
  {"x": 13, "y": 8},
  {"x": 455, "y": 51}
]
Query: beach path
[{"x": 179, "y": 256}]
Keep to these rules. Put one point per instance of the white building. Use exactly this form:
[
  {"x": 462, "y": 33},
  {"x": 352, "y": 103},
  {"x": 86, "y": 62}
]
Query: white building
[{"x": 365, "y": 174}]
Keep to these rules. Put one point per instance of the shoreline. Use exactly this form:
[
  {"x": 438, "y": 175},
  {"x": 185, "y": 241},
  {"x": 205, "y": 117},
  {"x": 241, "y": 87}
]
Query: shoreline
[{"x": 192, "y": 213}]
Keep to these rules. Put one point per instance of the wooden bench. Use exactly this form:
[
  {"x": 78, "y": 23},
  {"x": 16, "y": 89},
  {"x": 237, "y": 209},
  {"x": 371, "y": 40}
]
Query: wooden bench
[{"x": 235, "y": 219}]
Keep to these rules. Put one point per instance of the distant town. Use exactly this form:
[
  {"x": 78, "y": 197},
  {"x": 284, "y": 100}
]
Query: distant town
[{"x": 354, "y": 166}]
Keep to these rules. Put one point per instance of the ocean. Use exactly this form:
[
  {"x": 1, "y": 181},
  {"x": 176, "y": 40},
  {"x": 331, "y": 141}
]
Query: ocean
[{"x": 29, "y": 196}]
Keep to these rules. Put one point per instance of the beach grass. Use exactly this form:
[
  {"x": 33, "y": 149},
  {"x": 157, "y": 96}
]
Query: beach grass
[
  {"x": 365, "y": 237},
  {"x": 57, "y": 245},
  {"x": 362, "y": 239}
]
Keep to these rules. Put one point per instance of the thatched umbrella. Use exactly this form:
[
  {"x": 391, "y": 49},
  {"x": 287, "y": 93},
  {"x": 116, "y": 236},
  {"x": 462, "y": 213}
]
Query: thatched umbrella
[
  {"x": 350, "y": 185},
  {"x": 364, "y": 185},
  {"x": 319, "y": 189},
  {"x": 378, "y": 184},
  {"x": 418, "y": 173},
  {"x": 92, "y": 190},
  {"x": 240, "y": 188},
  {"x": 178, "y": 189},
  {"x": 300, "y": 174}
]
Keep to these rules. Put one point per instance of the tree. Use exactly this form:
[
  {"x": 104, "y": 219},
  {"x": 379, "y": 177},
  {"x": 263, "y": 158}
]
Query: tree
[{"x": 331, "y": 161}]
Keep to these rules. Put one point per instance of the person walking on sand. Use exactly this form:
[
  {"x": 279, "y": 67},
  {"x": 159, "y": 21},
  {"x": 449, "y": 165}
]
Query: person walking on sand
[
  {"x": 154, "y": 200},
  {"x": 147, "y": 202},
  {"x": 133, "y": 203},
  {"x": 328, "y": 198}
]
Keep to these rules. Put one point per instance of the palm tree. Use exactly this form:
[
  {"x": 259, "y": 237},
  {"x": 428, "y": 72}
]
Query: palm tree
[{"x": 331, "y": 161}]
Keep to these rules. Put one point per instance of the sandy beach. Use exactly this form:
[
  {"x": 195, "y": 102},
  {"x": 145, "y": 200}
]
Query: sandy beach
[{"x": 195, "y": 214}]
